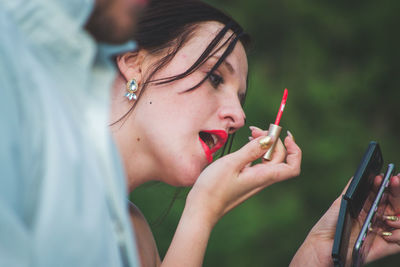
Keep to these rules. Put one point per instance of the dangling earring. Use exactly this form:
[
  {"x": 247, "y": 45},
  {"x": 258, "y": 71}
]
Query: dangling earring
[{"x": 131, "y": 87}]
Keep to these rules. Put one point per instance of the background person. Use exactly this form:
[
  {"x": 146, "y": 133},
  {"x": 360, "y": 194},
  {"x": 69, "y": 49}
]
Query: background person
[{"x": 62, "y": 191}]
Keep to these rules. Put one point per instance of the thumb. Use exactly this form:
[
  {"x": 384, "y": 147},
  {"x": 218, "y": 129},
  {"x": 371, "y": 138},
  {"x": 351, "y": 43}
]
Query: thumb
[
  {"x": 346, "y": 187},
  {"x": 250, "y": 152}
]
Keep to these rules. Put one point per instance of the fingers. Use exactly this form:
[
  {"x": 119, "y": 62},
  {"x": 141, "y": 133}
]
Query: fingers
[
  {"x": 394, "y": 195},
  {"x": 266, "y": 174},
  {"x": 393, "y": 232},
  {"x": 293, "y": 158},
  {"x": 392, "y": 236},
  {"x": 248, "y": 153},
  {"x": 377, "y": 183},
  {"x": 392, "y": 220},
  {"x": 253, "y": 151},
  {"x": 395, "y": 185},
  {"x": 279, "y": 153},
  {"x": 257, "y": 132}
]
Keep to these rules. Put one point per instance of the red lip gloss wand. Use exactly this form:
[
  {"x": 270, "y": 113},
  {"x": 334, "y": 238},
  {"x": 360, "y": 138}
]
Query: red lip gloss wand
[
  {"x": 274, "y": 129},
  {"x": 281, "y": 108}
]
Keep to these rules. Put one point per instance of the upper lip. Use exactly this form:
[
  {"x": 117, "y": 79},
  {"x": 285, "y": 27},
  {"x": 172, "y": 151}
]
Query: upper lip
[{"x": 219, "y": 138}]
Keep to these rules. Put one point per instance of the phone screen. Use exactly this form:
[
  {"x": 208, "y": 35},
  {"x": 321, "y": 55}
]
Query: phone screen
[{"x": 374, "y": 222}]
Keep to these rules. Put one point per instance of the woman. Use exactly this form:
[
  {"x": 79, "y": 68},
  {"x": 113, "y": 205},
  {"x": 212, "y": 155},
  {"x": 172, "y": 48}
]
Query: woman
[{"x": 175, "y": 102}]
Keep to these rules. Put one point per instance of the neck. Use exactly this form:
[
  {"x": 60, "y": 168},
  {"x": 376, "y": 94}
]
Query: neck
[{"x": 138, "y": 164}]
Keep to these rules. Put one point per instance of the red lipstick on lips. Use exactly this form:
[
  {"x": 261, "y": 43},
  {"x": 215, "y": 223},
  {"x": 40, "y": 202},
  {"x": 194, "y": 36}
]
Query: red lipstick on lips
[{"x": 222, "y": 138}]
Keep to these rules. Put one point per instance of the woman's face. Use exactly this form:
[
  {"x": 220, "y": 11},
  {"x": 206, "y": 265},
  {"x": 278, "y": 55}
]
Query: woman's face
[{"x": 173, "y": 133}]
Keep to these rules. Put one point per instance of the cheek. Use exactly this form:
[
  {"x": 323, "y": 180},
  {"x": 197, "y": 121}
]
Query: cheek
[{"x": 158, "y": 120}]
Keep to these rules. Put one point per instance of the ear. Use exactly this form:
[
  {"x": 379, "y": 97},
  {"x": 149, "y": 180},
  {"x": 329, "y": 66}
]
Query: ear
[{"x": 130, "y": 65}]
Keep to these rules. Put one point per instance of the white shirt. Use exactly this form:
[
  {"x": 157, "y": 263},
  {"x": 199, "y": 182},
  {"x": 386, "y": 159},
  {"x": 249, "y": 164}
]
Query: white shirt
[{"x": 62, "y": 187}]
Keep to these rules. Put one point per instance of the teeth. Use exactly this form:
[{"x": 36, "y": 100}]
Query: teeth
[
  {"x": 215, "y": 139},
  {"x": 211, "y": 140}
]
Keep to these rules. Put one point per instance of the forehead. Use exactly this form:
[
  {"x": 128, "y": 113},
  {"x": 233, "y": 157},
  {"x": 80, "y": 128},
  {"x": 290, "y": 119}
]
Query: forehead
[
  {"x": 202, "y": 37},
  {"x": 205, "y": 32}
]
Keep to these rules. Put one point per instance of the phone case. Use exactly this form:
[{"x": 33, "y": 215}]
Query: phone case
[
  {"x": 342, "y": 235},
  {"x": 369, "y": 167}
]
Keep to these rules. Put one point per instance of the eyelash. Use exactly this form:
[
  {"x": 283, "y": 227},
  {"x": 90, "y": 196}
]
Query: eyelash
[{"x": 215, "y": 79}]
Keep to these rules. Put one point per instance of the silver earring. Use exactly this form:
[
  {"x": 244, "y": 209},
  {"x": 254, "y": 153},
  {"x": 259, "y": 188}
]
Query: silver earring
[{"x": 131, "y": 88}]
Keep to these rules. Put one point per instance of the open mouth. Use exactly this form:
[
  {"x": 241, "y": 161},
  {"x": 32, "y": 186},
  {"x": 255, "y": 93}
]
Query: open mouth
[{"x": 212, "y": 141}]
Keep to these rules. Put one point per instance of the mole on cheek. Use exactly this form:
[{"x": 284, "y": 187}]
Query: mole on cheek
[{"x": 138, "y": 139}]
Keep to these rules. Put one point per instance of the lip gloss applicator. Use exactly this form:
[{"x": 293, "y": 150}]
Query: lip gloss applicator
[{"x": 274, "y": 129}]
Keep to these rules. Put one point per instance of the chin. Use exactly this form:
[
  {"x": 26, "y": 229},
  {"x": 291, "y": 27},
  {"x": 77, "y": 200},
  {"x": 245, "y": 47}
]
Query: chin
[
  {"x": 186, "y": 176},
  {"x": 189, "y": 181},
  {"x": 184, "y": 180}
]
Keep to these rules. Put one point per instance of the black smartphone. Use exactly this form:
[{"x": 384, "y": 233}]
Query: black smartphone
[
  {"x": 361, "y": 185},
  {"x": 353, "y": 201},
  {"x": 374, "y": 222},
  {"x": 342, "y": 235}
]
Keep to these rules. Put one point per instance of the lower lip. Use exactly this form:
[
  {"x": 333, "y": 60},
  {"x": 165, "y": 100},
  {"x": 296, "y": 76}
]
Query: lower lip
[{"x": 207, "y": 150}]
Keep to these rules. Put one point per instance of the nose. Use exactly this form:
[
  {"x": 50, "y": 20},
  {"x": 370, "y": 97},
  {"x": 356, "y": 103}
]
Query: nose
[{"x": 232, "y": 114}]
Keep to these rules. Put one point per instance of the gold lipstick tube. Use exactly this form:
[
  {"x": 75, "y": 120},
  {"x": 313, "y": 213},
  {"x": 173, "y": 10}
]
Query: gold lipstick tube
[{"x": 274, "y": 131}]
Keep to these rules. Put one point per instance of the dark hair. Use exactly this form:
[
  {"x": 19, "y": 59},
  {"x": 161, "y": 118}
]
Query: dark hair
[{"x": 169, "y": 24}]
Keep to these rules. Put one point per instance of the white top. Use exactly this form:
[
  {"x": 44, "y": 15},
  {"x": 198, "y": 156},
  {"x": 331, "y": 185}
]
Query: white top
[{"x": 62, "y": 187}]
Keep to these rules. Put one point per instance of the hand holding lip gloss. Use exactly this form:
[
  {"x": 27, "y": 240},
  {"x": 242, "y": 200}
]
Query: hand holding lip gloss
[{"x": 274, "y": 129}]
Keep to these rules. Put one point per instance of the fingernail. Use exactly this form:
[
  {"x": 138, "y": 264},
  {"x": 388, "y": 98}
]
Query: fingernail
[
  {"x": 265, "y": 142},
  {"x": 386, "y": 233},
  {"x": 392, "y": 218},
  {"x": 290, "y": 134},
  {"x": 250, "y": 138}
]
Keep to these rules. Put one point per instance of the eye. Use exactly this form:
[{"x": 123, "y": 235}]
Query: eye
[{"x": 215, "y": 79}]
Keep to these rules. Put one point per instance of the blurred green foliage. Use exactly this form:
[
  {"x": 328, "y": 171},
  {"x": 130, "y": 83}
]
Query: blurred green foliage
[{"x": 340, "y": 63}]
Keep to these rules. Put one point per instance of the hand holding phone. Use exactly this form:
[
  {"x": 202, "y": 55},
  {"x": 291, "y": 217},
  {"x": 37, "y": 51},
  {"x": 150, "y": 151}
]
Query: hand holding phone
[
  {"x": 374, "y": 221},
  {"x": 354, "y": 199}
]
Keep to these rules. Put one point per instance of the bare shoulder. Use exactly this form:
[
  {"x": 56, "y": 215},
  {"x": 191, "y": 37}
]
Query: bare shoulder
[{"x": 144, "y": 238}]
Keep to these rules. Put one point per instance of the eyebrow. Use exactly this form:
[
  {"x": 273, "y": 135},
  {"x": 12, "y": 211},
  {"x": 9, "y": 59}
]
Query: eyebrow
[{"x": 227, "y": 64}]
